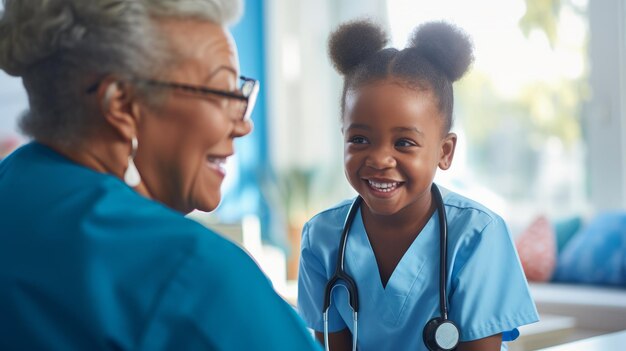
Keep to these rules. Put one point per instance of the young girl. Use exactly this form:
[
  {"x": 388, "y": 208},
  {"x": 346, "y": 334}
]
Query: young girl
[{"x": 384, "y": 258}]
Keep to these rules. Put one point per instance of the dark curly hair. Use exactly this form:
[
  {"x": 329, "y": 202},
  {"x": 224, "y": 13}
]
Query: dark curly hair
[{"x": 438, "y": 54}]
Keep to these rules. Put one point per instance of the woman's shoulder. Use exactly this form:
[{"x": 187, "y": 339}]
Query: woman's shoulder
[
  {"x": 103, "y": 206},
  {"x": 169, "y": 238},
  {"x": 138, "y": 216}
]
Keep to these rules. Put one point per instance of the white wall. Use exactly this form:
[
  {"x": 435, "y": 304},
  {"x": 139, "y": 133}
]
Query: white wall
[
  {"x": 305, "y": 88},
  {"x": 13, "y": 102},
  {"x": 605, "y": 117},
  {"x": 303, "y": 106}
]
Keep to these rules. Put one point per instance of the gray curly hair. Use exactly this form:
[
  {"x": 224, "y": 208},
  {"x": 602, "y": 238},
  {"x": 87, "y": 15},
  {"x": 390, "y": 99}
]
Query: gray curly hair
[{"x": 54, "y": 44}]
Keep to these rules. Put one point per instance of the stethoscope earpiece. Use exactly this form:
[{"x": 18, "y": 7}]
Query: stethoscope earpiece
[{"x": 441, "y": 335}]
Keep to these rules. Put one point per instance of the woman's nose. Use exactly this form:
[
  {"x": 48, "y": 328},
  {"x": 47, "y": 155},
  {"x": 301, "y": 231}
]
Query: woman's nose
[{"x": 241, "y": 128}]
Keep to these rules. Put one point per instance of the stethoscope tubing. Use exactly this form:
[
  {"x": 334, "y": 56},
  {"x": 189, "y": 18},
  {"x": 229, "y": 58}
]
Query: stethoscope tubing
[
  {"x": 355, "y": 325},
  {"x": 351, "y": 287},
  {"x": 443, "y": 252}
]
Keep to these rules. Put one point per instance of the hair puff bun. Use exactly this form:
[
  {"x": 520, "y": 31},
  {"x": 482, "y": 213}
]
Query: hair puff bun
[
  {"x": 444, "y": 45},
  {"x": 353, "y": 42}
]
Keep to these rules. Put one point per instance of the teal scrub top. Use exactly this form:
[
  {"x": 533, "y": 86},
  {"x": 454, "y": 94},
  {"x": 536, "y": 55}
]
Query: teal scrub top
[
  {"x": 86, "y": 263},
  {"x": 487, "y": 290}
]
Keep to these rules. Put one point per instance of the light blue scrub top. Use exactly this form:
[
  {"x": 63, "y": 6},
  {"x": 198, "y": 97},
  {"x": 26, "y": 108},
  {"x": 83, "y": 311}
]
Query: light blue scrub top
[
  {"x": 86, "y": 263},
  {"x": 487, "y": 290}
]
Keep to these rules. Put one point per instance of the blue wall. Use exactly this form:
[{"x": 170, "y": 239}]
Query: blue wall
[{"x": 245, "y": 196}]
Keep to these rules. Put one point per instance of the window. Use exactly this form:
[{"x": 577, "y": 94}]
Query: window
[{"x": 518, "y": 111}]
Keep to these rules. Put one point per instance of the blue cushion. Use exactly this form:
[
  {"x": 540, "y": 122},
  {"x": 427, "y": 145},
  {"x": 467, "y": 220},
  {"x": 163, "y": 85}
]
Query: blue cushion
[
  {"x": 564, "y": 230},
  {"x": 597, "y": 254}
]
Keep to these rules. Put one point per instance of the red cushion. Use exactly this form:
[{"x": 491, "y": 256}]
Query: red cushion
[{"x": 536, "y": 247}]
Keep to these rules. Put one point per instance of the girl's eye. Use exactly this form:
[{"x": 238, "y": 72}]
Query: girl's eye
[
  {"x": 358, "y": 140},
  {"x": 405, "y": 143}
]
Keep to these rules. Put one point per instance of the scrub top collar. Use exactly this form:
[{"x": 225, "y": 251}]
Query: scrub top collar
[{"x": 388, "y": 301}]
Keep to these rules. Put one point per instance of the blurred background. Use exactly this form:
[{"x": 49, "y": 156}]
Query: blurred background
[{"x": 541, "y": 117}]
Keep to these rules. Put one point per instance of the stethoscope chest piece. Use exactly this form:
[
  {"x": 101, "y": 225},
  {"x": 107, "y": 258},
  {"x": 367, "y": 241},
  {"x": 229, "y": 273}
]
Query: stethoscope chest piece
[{"x": 441, "y": 335}]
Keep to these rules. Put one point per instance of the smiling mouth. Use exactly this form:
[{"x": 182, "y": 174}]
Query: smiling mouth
[
  {"x": 217, "y": 164},
  {"x": 384, "y": 187}
]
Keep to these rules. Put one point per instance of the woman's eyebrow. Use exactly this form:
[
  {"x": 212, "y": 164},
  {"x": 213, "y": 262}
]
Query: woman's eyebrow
[{"x": 220, "y": 69}]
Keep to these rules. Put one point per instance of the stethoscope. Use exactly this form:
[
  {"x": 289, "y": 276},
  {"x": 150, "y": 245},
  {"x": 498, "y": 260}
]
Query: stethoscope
[{"x": 440, "y": 333}]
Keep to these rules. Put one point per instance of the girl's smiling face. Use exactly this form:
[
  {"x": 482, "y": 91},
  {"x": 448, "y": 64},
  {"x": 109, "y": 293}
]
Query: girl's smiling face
[{"x": 394, "y": 141}]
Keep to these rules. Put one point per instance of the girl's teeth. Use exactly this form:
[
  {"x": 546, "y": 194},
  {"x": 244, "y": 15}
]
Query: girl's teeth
[{"x": 384, "y": 187}]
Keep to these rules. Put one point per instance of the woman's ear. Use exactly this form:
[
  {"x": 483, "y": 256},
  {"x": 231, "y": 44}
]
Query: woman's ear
[
  {"x": 448, "y": 145},
  {"x": 116, "y": 105}
]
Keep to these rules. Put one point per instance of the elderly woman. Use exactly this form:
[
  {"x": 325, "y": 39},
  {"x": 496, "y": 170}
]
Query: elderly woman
[{"x": 134, "y": 107}]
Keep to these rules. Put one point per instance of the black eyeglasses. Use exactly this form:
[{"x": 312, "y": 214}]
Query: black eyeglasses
[{"x": 244, "y": 98}]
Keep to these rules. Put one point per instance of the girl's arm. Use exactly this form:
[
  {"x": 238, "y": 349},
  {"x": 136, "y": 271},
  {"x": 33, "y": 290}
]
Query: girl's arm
[
  {"x": 339, "y": 341},
  {"x": 490, "y": 343}
]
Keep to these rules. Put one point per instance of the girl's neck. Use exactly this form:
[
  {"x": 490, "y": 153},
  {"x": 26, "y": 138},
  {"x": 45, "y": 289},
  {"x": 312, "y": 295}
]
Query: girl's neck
[
  {"x": 409, "y": 219},
  {"x": 391, "y": 235}
]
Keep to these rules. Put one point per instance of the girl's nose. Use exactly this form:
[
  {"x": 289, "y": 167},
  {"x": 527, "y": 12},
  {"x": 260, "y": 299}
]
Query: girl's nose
[{"x": 380, "y": 159}]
